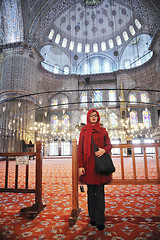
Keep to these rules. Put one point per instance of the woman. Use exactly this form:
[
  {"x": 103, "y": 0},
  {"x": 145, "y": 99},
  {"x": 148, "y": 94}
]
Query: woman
[{"x": 87, "y": 171}]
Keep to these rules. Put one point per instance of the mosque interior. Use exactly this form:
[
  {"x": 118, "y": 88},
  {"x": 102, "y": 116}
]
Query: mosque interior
[{"x": 60, "y": 58}]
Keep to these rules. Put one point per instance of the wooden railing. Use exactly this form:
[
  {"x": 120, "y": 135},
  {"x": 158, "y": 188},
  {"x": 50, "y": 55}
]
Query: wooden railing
[
  {"x": 144, "y": 155},
  {"x": 146, "y": 180},
  {"x": 31, "y": 211}
]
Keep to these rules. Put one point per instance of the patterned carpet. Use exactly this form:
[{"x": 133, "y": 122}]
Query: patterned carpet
[{"x": 132, "y": 211}]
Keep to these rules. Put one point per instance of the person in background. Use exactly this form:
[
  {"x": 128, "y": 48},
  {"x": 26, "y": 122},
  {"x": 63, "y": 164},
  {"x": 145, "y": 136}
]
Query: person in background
[{"x": 87, "y": 170}]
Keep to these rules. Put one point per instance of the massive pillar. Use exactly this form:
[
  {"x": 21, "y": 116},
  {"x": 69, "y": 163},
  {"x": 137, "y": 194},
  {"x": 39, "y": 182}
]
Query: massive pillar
[{"x": 17, "y": 99}]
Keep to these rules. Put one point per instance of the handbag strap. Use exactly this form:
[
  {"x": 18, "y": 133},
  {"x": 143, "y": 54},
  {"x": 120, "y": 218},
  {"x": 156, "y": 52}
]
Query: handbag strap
[
  {"x": 92, "y": 140},
  {"x": 94, "y": 145}
]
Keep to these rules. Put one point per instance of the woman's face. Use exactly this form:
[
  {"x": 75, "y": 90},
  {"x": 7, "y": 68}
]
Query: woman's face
[{"x": 93, "y": 118}]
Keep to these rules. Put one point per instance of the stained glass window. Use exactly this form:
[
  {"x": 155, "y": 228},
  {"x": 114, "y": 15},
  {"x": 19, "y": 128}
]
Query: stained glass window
[
  {"x": 146, "y": 118},
  {"x": 133, "y": 116},
  {"x": 83, "y": 99},
  {"x": 98, "y": 98},
  {"x": 65, "y": 122},
  {"x": 65, "y": 102},
  {"x": 54, "y": 103},
  {"x": 133, "y": 97},
  {"x": 54, "y": 122},
  {"x": 144, "y": 97},
  {"x": 113, "y": 120},
  {"x": 112, "y": 97}
]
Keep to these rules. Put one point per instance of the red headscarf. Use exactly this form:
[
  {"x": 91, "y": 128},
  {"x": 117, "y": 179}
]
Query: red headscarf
[{"x": 89, "y": 129}]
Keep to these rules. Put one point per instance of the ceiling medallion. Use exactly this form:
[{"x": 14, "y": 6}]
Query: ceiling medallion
[{"x": 91, "y": 2}]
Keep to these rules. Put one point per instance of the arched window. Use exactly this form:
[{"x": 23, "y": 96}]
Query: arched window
[
  {"x": 133, "y": 116},
  {"x": 64, "y": 42},
  {"x": 57, "y": 39},
  {"x": 79, "y": 47},
  {"x": 95, "y": 47},
  {"x": 103, "y": 46},
  {"x": 146, "y": 118},
  {"x": 65, "y": 102},
  {"x": 144, "y": 97},
  {"x": 54, "y": 122},
  {"x": 56, "y": 69},
  {"x": 118, "y": 40},
  {"x": 66, "y": 70},
  {"x": 137, "y": 23},
  {"x": 50, "y": 36},
  {"x": 86, "y": 68},
  {"x": 54, "y": 103},
  {"x": 133, "y": 97},
  {"x": 111, "y": 43},
  {"x": 131, "y": 29},
  {"x": 65, "y": 122},
  {"x": 113, "y": 120},
  {"x": 96, "y": 66},
  {"x": 125, "y": 36},
  {"x": 138, "y": 61},
  {"x": 127, "y": 64},
  {"x": 71, "y": 46},
  {"x": 87, "y": 48},
  {"x": 98, "y": 98},
  {"x": 106, "y": 66},
  {"x": 83, "y": 99}
]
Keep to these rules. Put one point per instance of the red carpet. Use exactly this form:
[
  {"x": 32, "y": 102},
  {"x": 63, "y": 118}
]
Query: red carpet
[{"x": 132, "y": 211}]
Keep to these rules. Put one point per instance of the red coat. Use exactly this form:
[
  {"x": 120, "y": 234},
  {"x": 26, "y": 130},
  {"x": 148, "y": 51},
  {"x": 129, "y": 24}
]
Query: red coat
[{"x": 91, "y": 177}]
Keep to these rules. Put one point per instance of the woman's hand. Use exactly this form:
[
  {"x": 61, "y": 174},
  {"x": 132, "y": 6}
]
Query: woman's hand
[
  {"x": 100, "y": 152},
  {"x": 81, "y": 171}
]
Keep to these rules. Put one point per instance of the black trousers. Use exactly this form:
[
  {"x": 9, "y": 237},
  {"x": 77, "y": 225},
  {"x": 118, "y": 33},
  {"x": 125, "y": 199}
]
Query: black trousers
[{"x": 96, "y": 203}]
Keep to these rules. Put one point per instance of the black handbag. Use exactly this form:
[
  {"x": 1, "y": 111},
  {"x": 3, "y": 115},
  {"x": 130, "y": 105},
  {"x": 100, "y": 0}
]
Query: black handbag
[{"x": 104, "y": 163}]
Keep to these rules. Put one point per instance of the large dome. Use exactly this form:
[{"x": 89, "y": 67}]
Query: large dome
[{"x": 103, "y": 28}]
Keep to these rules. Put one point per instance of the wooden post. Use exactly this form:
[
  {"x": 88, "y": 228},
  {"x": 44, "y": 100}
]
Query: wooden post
[
  {"x": 134, "y": 165},
  {"x": 33, "y": 211},
  {"x": 157, "y": 164},
  {"x": 6, "y": 173},
  {"x": 75, "y": 209},
  {"x": 145, "y": 164},
  {"x": 38, "y": 195},
  {"x": 122, "y": 163}
]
